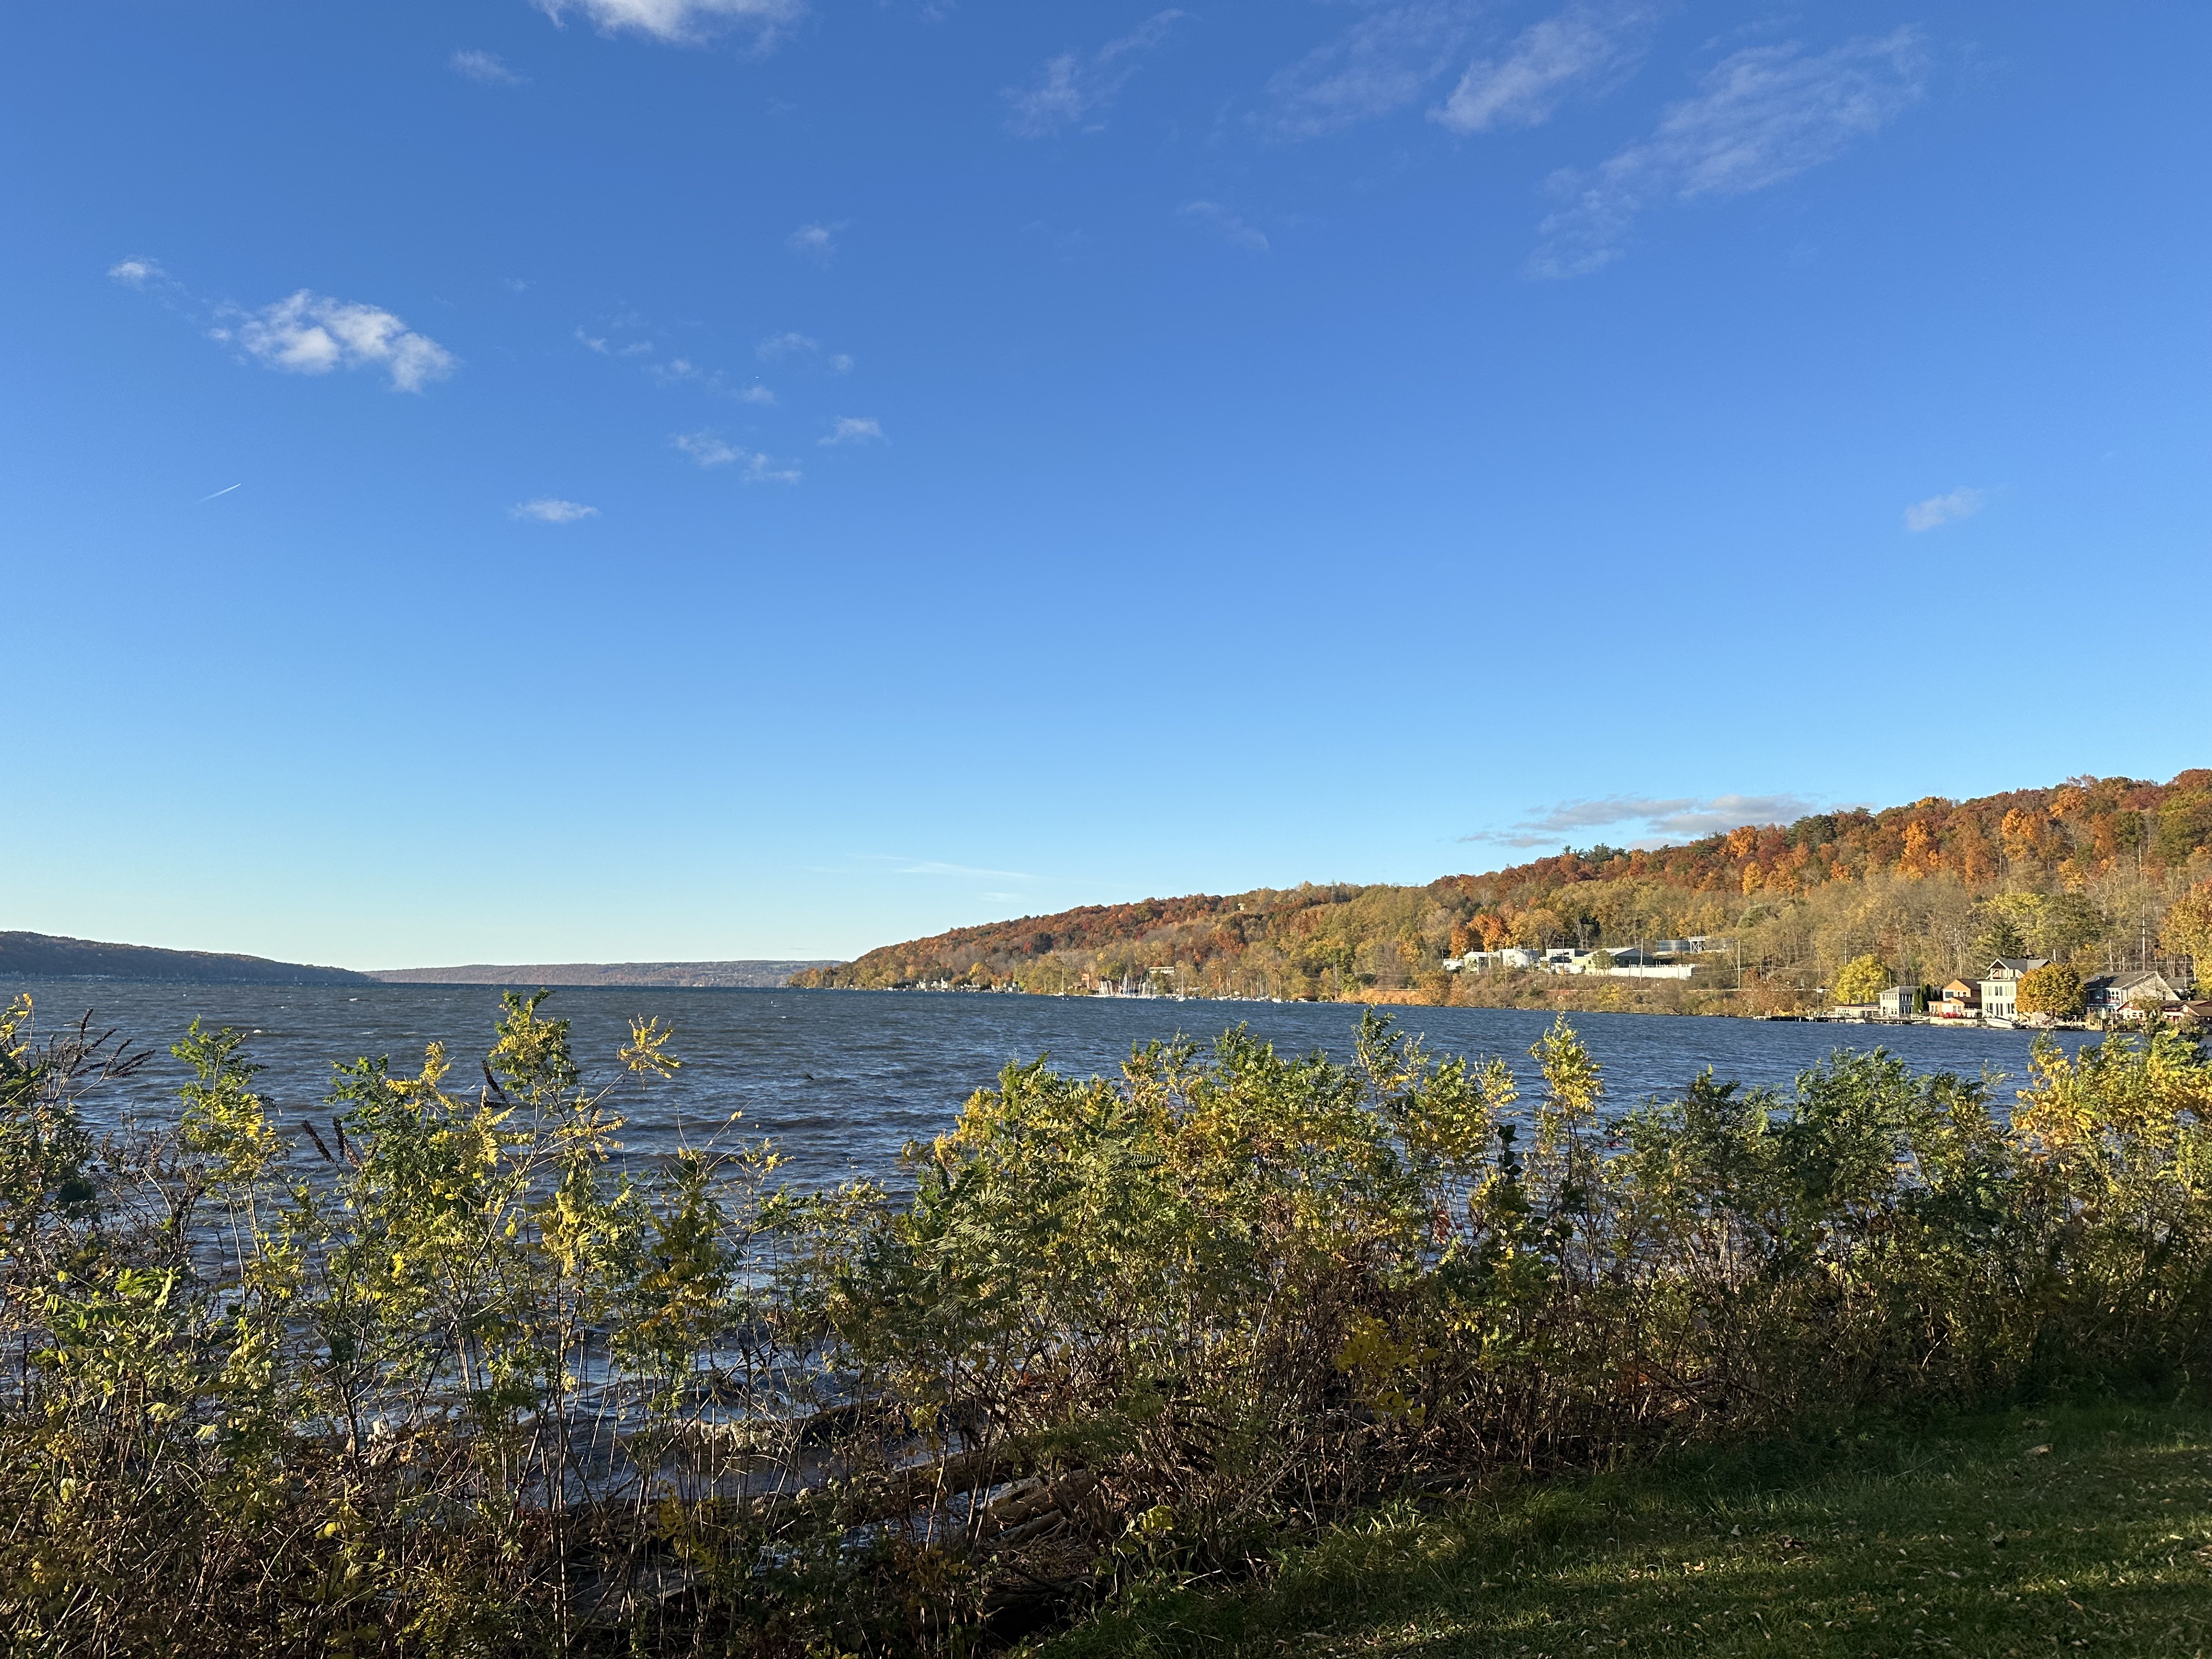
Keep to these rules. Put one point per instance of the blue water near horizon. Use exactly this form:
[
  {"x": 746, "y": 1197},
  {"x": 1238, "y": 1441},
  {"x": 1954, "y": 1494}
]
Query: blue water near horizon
[{"x": 841, "y": 1081}]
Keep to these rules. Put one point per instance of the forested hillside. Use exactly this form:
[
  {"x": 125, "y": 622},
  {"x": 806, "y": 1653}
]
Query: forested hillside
[
  {"x": 49, "y": 955},
  {"x": 2087, "y": 870}
]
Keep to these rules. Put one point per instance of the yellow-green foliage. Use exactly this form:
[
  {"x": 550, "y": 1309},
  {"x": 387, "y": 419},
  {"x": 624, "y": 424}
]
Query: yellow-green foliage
[
  {"x": 1861, "y": 980},
  {"x": 2053, "y": 988},
  {"x": 462, "y": 1386}
]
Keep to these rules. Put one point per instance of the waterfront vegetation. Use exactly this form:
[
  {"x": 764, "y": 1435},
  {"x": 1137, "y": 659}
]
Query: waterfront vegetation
[
  {"x": 430, "y": 1371},
  {"x": 2097, "y": 873}
]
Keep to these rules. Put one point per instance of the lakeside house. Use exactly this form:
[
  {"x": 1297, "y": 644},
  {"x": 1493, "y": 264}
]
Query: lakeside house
[
  {"x": 2135, "y": 995},
  {"x": 1959, "y": 1000},
  {"x": 2001, "y": 985},
  {"x": 1900, "y": 1002},
  {"x": 1629, "y": 961}
]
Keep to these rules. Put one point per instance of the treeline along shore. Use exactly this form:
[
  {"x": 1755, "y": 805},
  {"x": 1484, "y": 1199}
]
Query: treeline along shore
[
  {"x": 2099, "y": 874},
  {"x": 416, "y": 1374}
]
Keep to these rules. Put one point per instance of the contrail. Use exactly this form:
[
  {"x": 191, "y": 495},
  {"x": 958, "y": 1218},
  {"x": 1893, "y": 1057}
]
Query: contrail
[{"x": 226, "y": 490}]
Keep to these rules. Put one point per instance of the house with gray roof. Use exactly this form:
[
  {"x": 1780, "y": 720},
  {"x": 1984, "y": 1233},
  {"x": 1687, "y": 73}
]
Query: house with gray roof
[
  {"x": 2125, "y": 996},
  {"x": 2001, "y": 985}
]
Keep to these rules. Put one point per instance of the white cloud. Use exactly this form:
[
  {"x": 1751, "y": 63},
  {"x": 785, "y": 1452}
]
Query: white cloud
[
  {"x": 1073, "y": 87},
  {"x": 909, "y": 866},
  {"x": 591, "y": 342},
  {"x": 1945, "y": 509},
  {"x": 1522, "y": 89},
  {"x": 312, "y": 334},
  {"x": 855, "y": 430},
  {"x": 759, "y": 469},
  {"x": 1762, "y": 116},
  {"x": 776, "y": 348},
  {"x": 755, "y": 394},
  {"x": 1650, "y": 819},
  {"x": 819, "y": 240},
  {"x": 674, "y": 372},
  {"x": 551, "y": 509},
  {"x": 706, "y": 449},
  {"x": 1382, "y": 63},
  {"x": 1226, "y": 224},
  {"x": 485, "y": 67},
  {"x": 709, "y": 450},
  {"x": 683, "y": 19},
  {"x": 137, "y": 272}
]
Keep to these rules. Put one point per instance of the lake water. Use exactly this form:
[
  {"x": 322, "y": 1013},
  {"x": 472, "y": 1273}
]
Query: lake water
[{"x": 841, "y": 1079}]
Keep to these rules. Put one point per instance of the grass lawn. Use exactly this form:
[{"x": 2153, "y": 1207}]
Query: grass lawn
[{"x": 2059, "y": 1530}]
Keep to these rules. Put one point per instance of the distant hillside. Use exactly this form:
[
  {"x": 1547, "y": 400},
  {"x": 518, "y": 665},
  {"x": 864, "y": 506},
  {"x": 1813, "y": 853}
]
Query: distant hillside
[
  {"x": 2085, "y": 871},
  {"x": 708, "y": 976},
  {"x": 43, "y": 955}
]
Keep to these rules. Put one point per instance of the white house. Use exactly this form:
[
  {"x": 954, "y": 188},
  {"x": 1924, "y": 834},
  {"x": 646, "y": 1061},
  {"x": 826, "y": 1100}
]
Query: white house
[
  {"x": 1476, "y": 961},
  {"x": 2001, "y": 985}
]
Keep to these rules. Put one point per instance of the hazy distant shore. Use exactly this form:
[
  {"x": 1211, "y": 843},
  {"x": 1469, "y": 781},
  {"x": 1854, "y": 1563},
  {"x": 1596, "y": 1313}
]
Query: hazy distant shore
[
  {"x": 51, "y": 957},
  {"x": 691, "y": 976}
]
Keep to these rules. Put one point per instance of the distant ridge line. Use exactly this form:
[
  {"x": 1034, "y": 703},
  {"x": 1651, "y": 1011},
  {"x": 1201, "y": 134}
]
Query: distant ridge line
[
  {"x": 751, "y": 975},
  {"x": 51, "y": 956}
]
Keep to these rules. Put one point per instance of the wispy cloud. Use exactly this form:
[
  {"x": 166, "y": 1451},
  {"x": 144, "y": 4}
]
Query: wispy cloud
[
  {"x": 907, "y": 866},
  {"x": 1073, "y": 87},
  {"x": 1384, "y": 62},
  {"x": 1583, "y": 44},
  {"x": 1945, "y": 509},
  {"x": 671, "y": 371},
  {"x": 709, "y": 450},
  {"x": 778, "y": 348},
  {"x": 1647, "y": 819},
  {"x": 313, "y": 334},
  {"x": 486, "y": 67},
  {"x": 1761, "y": 116},
  {"x": 684, "y": 20},
  {"x": 137, "y": 272},
  {"x": 706, "y": 449},
  {"x": 551, "y": 509},
  {"x": 816, "y": 242},
  {"x": 855, "y": 430},
  {"x": 308, "y": 333},
  {"x": 1226, "y": 224}
]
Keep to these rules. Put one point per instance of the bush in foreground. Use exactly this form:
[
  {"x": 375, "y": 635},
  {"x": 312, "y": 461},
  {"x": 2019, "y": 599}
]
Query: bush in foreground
[{"x": 449, "y": 1386}]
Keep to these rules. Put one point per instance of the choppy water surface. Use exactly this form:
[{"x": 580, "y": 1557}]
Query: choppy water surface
[{"x": 841, "y": 1079}]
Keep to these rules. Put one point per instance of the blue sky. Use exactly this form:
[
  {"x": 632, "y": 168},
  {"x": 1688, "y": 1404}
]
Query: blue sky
[{"x": 745, "y": 478}]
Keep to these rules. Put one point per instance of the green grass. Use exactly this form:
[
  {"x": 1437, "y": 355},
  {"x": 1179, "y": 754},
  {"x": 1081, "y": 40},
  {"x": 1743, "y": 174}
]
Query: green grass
[{"x": 1882, "y": 1541}]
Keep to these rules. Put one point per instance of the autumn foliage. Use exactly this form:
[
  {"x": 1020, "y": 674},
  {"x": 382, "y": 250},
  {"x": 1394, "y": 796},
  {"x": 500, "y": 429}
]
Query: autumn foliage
[
  {"x": 446, "y": 1380},
  {"x": 1930, "y": 890}
]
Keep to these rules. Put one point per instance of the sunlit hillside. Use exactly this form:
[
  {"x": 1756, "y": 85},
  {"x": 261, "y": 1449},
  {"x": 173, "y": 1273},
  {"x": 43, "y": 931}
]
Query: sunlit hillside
[{"x": 2086, "y": 871}]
